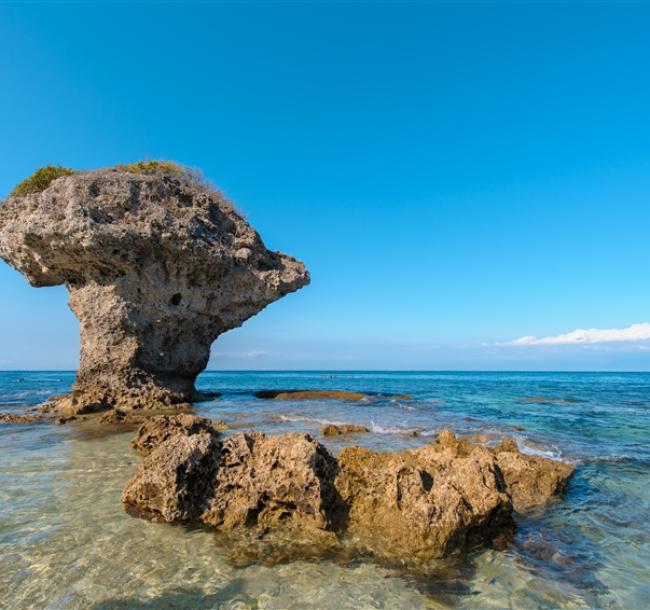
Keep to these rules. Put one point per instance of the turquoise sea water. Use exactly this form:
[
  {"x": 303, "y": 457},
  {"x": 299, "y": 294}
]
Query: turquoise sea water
[{"x": 66, "y": 543}]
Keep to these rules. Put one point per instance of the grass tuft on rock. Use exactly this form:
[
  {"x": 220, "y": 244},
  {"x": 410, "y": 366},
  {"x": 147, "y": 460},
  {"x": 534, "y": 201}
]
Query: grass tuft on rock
[
  {"x": 145, "y": 167},
  {"x": 40, "y": 180}
]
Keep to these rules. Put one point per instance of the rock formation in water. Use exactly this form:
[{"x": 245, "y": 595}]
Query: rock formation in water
[
  {"x": 409, "y": 505},
  {"x": 157, "y": 266}
]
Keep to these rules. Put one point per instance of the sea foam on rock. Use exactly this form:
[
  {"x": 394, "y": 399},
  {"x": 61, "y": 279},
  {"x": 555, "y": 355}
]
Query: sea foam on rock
[
  {"x": 408, "y": 506},
  {"x": 157, "y": 266}
]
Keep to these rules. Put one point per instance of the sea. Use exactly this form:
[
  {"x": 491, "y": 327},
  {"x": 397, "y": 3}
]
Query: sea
[{"x": 66, "y": 542}]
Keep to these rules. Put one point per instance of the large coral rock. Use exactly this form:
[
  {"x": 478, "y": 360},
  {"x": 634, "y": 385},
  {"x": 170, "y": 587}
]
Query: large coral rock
[
  {"x": 157, "y": 266},
  {"x": 410, "y": 505}
]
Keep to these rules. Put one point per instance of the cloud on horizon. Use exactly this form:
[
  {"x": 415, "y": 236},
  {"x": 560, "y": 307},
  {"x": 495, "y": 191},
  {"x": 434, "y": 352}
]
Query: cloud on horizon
[{"x": 634, "y": 332}]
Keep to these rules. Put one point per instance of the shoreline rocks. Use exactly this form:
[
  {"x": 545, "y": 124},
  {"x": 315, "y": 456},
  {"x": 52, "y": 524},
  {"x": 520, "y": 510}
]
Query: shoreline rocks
[
  {"x": 409, "y": 506},
  {"x": 157, "y": 266}
]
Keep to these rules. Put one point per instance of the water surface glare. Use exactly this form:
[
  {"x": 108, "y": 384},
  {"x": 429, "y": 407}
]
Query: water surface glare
[{"x": 65, "y": 541}]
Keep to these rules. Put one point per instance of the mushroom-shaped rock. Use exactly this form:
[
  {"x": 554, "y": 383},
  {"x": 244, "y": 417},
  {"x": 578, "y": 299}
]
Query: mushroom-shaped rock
[{"x": 157, "y": 266}]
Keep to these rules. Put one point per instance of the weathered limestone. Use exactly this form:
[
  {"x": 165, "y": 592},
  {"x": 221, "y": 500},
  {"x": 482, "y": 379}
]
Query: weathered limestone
[
  {"x": 157, "y": 266},
  {"x": 156, "y": 430},
  {"x": 531, "y": 480},
  {"x": 246, "y": 480},
  {"x": 407, "y": 506}
]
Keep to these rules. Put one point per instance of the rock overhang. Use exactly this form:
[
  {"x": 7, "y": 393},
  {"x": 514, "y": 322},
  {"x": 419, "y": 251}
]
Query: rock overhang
[{"x": 157, "y": 264}]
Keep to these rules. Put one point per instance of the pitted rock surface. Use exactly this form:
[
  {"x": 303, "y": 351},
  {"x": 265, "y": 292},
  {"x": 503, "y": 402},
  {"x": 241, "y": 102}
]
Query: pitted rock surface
[
  {"x": 408, "y": 506},
  {"x": 157, "y": 266},
  {"x": 156, "y": 430}
]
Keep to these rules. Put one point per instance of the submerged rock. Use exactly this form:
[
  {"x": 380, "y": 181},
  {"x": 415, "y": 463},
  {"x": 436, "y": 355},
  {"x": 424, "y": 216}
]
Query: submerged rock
[
  {"x": 343, "y": 429},
  {"x": 119, "y": 417},
  {"x": 323, "y": 394},
  {"x": 157, "y": 266},
  {"x": 15, "y": 418},
  {"x": 407, "y": 506},
  {"x": 309, "y": 395}
]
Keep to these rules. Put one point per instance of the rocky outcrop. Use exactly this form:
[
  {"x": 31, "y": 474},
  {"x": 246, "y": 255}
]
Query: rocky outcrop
[
  {"x": 531, "y": 481},
  {"x": 423, "y": 503},
  {"x": 246, "y": 480},
  {"x": 343, "y": 429},
  {"x": 157, "y": 266},
  {"x": 156, "y": 430},
  {"x": 410, "y": 505}
]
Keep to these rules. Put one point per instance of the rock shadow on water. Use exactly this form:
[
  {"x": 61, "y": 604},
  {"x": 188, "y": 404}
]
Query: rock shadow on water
[
  {"x": 181, "y": 598},
  {"x": 549, "y": 546}
]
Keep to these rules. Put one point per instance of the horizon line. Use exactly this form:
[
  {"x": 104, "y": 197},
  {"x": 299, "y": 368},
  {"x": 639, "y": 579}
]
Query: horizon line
[{"x": 603, "y": 371}]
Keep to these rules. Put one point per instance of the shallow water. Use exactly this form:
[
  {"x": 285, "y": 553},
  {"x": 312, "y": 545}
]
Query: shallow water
[{"x": 66, "y": 543}]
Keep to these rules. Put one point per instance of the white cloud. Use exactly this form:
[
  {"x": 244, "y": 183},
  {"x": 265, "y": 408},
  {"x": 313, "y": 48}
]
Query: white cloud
[{"x": 635, "y": 332}]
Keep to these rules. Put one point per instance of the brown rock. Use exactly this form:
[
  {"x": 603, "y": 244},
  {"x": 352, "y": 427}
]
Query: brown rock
[
  {"x": 342, "y": 429},
  {"x": 423, "y": 503},
  {"x": 276, "y": 480},
  {"x": 532, "y": 481},
  {"x": 246, "y": 480},
  {"x": 173, "y": 484},
  {"x": 155, "y": 430},
  {"x": 410, "y": 505},
  {"x": 157, "y": 266}
]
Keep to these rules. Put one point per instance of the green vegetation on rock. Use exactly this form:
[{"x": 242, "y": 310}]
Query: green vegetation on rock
[{"x": 40, "y": 180}]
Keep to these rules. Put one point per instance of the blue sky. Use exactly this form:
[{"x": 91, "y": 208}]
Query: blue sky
[{"x": 455, "y": 176}]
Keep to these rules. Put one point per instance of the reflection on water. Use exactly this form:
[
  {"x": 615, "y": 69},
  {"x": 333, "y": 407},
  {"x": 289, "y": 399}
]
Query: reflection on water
[{"x": 66, "y": 543}]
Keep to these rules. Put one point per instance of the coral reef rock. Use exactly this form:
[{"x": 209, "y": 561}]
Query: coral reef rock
[
  {"x": 407, "y": 506},
  {"x": 157, "y": 266}
]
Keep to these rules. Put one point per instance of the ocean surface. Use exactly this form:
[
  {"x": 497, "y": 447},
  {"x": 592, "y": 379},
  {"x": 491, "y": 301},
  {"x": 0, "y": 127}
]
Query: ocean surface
[{"x": 65, "y": 541}]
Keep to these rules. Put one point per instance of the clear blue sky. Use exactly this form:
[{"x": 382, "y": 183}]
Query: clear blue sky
[{"x": 455, "y": 176}]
